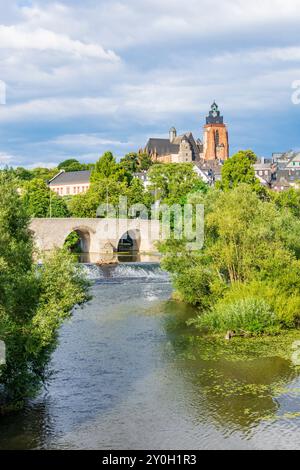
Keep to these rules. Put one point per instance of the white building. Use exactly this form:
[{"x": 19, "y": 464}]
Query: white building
[{"x": 70, "y": 183}]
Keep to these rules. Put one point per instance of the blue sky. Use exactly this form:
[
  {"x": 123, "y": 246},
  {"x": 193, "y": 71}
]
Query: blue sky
[{"x": 85, "y": 77}]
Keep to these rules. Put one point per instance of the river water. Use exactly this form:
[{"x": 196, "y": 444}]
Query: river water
[{"x": 124, "y": 378}]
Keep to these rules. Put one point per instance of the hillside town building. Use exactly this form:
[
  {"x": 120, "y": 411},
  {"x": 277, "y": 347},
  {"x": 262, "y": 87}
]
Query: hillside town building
[
  {"x": 287, "y": 174},
  {"x": 186, "y": 148},
  {"x": 70, "y": 183},
  {"x": 279, "y": 173}
]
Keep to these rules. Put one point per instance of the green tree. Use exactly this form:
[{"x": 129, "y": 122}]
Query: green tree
[
  {"x": 130, "y": 162},
  {"x": 109, "y": 181},
  {"x": 108, "y": 191},
  {"x": 105, "y": 191},
  {"x": 145, "y": 161},
  {"x": 239, "y": 169},
  {"x": 289, "y": 199},
  {"x": 22, "y": 174},
  {"x": 105, "y": 167},
  {"x": 172, "y": 182},
  {"x": 135, "y": 162},
  {"x": 45, "y": 174},
  {"x": 251, "y": 254},
  {"x": 40, "y": 201},
  {"x": 72, "y": 165},
  {"x": 72, "y": 243},
  {"x": 29, "y": 323}
]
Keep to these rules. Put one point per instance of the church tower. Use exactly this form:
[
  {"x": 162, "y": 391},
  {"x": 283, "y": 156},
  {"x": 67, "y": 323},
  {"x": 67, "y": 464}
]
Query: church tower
[{"x": 215, "y": 143}]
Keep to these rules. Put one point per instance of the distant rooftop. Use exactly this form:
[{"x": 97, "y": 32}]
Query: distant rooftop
[
  {"x": 71, "y": 177},
  {"x": 161, "y": 146}
]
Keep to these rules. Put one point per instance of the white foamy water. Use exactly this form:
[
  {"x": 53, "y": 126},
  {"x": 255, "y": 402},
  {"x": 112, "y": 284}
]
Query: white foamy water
[{"x": 125, "y": 271}]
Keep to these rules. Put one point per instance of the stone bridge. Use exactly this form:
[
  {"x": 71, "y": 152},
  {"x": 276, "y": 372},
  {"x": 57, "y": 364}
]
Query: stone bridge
[{"x": 97, "y": 235}]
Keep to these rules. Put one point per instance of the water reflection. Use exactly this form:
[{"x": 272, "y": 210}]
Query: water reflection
[
  {"x": 130, "y": 374},
  {"x": 238, "y": 394}
]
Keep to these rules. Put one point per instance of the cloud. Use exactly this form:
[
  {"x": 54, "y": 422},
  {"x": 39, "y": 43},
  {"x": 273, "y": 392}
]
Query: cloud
[
  {"x": 262, "y": 56},
  {"x": 5, "y": 158},
  {"x": 83, "y": 77},
  {"x": 86, "y": 140},
  {"x": 53, "y": 109},
  {"x": 15, "y": 37}
]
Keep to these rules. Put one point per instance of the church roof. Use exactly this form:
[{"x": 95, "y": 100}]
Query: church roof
[{"x": 162, "y": 146}]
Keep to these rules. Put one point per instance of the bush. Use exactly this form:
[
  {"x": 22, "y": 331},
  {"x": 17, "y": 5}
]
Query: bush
[{"x": 245, "y": 316}]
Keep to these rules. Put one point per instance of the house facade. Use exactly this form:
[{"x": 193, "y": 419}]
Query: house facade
[
  {"x": 287, "y": 170},
  {"x": 70, "y": 183}
]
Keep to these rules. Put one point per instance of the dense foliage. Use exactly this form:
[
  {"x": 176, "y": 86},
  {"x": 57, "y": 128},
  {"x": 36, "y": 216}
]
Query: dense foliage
[
  {"x": 239, "y": 169},
  {"x": 246, "y": 277},
  {"x": 171, "y": 182},
  {"x": 109, "y": 181},
  {"x": 135, "y": 162},
  {"x": 33, "y": 301},
  {"x": 74, "y": 165},
  {"x": 40, "y": 201}
]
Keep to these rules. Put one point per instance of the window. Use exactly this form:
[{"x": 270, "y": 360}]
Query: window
[{"x": 68, "y": 190}]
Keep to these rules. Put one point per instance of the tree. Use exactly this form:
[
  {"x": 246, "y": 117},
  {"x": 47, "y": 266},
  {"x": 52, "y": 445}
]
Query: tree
[
  {"x": 105, "y": 167},
  {"x": 44, "y": 173},
  {"x": 172, "y": 182},
  {"x": 135, "y": 162},
  {"x": 29, "y": 323},
  {"x": 105, "y": 191},
  {"x": 239, "y": 169},
  {"x": 145, "y": 161},
  {"x": 130, "y": 162},
  {"x": 72, "y": 165},
  {"x": 40, "y": 201},
  {"x": 22, "y": 174},
  {"x": 250, "y": 261},
  {"x": 289, "y": 199},
  {"x": 108, "y": 191}
]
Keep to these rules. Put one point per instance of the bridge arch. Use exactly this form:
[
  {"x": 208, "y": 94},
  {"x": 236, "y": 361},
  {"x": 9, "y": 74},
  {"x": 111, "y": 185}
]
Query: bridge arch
[
  {"x": 130, "y": 241},
  {"x": 85, "y": 235}
]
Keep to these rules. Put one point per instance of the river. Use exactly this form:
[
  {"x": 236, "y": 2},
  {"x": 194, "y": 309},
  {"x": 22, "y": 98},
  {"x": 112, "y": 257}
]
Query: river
[{"x": 123, "y": 378}]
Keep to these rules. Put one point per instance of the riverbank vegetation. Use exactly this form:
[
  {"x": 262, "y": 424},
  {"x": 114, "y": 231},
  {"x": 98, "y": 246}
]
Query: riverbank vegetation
[
  {"x": 33, "y": 301},
  {"x": 246, "y": 279}
]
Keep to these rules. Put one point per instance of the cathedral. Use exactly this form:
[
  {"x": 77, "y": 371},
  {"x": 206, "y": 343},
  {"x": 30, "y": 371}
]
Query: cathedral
[{"x": 185, "y": 148}]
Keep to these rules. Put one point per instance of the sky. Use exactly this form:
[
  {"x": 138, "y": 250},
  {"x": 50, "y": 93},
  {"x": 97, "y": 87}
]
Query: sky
[{"x": 82, "y": 78}]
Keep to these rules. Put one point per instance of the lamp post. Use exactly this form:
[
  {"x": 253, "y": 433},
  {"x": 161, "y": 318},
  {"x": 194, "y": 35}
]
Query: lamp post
[{"x": 50, "y": 203}]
